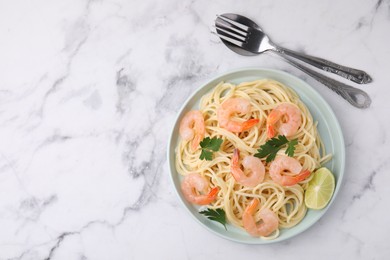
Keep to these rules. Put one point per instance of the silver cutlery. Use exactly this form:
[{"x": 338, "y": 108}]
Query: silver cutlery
[
  {"x": 245, "y": 37},
  {"x": 250, "y": 35}
]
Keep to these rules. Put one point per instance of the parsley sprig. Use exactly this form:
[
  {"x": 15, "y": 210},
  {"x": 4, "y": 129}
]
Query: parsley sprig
[
  {"x": 218, "y": 215},
  {"x": 273, "y": 145},
  {"x": 209, "y": 145}
]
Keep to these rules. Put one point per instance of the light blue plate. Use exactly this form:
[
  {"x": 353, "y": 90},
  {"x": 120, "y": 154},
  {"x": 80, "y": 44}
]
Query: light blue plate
[{"x": 328, "y": 127}]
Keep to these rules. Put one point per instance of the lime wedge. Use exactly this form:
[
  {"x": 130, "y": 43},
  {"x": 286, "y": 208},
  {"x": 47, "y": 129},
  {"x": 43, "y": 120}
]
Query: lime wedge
[{"x": 320, "y": 189}]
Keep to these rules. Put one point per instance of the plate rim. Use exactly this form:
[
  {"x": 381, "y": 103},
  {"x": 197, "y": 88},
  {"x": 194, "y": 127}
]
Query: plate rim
[{"x": 203, "y": 84}]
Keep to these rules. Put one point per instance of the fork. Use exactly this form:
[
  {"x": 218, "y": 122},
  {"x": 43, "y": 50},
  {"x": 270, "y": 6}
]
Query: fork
[{"x": 246, "y": 38}]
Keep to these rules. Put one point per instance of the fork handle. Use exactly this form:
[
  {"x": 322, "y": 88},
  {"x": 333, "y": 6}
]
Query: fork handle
[
  {"x": 354, "y": 96},
  {"x": 354, "y": 75}
]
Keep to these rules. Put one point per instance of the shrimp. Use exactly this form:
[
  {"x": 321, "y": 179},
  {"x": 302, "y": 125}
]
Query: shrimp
[
  {"x": 192, "y": 127},
  {"x": 249, "y": 162},
  {"x": 228, "y": 108},
  {"x": 293, "y": 120},
  {"x": 194, "y": 182},
  {"x": 282, "y": 163},
  {"x": 270, "y": 220}
]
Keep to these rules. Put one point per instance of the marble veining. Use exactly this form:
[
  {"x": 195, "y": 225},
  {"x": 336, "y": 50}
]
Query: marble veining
[{"x": 89, "y": 92}]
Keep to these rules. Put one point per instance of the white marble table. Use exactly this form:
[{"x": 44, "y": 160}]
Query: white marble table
[{"x": 88, "y": 94}]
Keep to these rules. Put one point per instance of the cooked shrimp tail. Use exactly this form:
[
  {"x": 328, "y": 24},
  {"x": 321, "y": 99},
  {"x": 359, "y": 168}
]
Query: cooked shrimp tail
[
  {"x": 271, "y": 132},
  {"x": 252, "y": 206},
  {"x": 301, "y": 176},
  {"x": 196, "y": 141},
  {"x": 273, "y": 117},
  {"x": 249, "y": 124},
  {"x": 213, "y": 194},
  {"x": 236, "y": 157}
]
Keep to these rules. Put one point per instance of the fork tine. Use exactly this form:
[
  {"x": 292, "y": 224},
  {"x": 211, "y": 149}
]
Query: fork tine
[
  {"x": 235, "y": 23},
  {"x": 229, "y": 39},
  {"x": 239, "y": 37},
  {"x": 227, "y": 26}
]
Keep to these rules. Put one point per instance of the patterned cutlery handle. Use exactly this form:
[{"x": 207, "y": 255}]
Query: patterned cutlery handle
[
  {"x": 354, "y": 96},
  {"x": 354, "y": 75}
]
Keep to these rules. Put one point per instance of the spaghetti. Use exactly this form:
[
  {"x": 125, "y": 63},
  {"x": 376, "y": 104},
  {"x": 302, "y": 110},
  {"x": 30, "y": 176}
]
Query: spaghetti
[{"x": 264, "y": 95}]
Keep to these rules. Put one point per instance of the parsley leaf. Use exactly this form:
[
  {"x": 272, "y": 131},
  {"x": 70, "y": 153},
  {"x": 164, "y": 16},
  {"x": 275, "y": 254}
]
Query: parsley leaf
[
  {"x": 209, "y": 145},
  {"x": 291, "y": 147},
  {"x": 218, "y": 215},
  {"x": 206, "y": 155},
  {"x": 267, "y": 150},
  {"x": 212, "y": 144},
  {"x": 273, "y": 145},
  {"x": 278, "y": 141}
]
